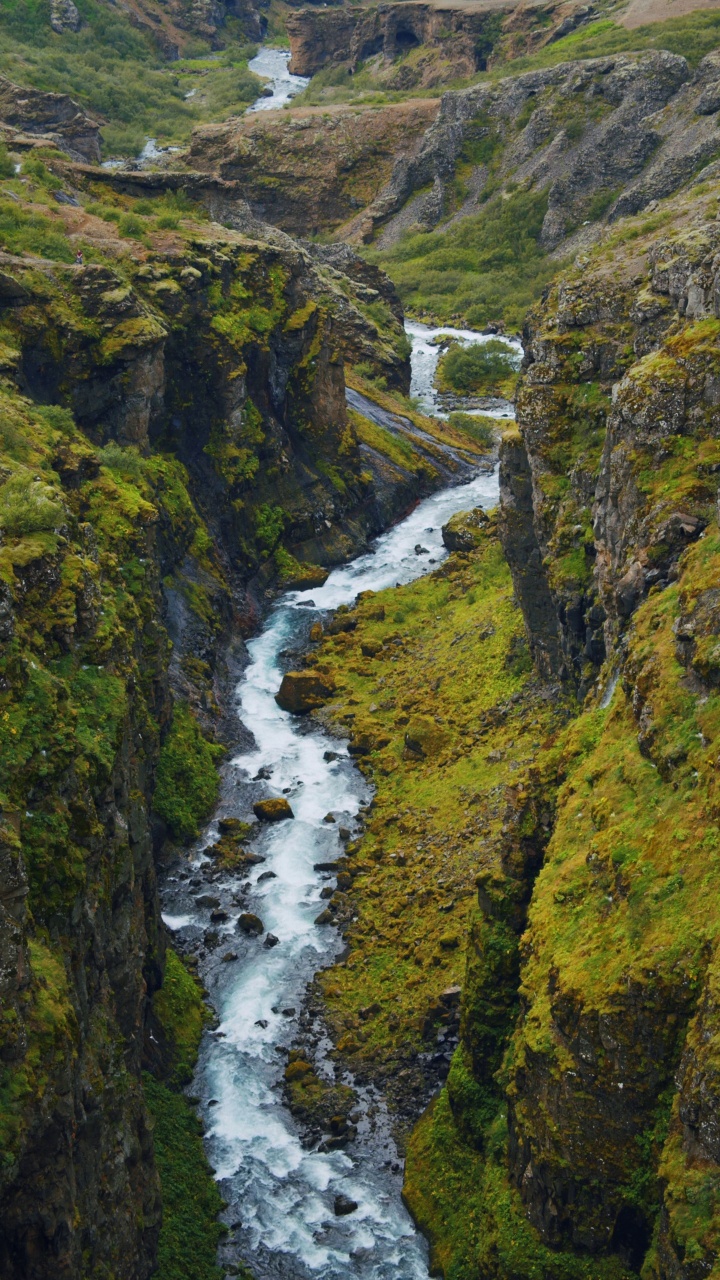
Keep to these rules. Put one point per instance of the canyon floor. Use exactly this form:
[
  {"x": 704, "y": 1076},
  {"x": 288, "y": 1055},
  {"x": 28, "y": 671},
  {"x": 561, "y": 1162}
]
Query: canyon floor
[{"x": 504, "y": 1000}]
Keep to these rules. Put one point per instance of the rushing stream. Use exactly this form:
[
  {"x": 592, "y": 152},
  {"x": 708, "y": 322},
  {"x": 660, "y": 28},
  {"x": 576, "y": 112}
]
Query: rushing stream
[
  {"x": 272, "y": 65},
  {"x": 280, "y": 1193},
  {"x": 425, "y": 355}
]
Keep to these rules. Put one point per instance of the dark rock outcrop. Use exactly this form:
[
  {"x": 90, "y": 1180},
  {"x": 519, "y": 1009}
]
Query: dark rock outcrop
[
  {"x": 52, "y": 116},
  {"x": 352, "y": 34}
]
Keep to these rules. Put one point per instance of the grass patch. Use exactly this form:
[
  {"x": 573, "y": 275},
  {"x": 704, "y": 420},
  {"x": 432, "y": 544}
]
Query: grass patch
[
  {"x": 443, "y": 659},
  {"x": 489, "y": 267},
  {"x": 178, "y": 1006},
  {"x": 190, "y": 1232},
  {"x": 187, "y": 781},
  {"x": 693, "y": 36}
]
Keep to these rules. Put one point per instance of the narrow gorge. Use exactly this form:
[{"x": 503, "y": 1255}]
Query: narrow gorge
[{"x": 359, "y": 640}]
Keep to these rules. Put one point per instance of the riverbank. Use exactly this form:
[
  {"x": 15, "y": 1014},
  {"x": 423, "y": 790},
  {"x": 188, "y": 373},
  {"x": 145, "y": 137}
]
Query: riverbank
[
  {"x": 259, "y": 989},
  {"x": 435, "y": 687}
]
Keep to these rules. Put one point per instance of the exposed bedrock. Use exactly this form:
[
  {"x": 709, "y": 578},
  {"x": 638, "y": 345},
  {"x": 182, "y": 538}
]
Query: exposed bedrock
[
  {"x": 607, "y": 134},
  {"x": 307, "y": 169},
  {"x": 352, "y": 34},
  {"x": 55, "y": 117},
  {"x": 610, "y": 486}
]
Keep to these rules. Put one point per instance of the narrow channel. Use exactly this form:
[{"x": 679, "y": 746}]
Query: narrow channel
[
  {"x": 280, "y": 1193},
  {"x": 272, "y": 65}
]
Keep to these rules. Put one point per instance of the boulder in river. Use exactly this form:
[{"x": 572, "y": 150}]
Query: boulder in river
[
  {"x": 275, "y": 810},
  {"x": 344, "y": 1205},
  {"x": 250, "y": 924},
  {"x": 304, "y": 576},
  {"x": 303, "y": 691}
]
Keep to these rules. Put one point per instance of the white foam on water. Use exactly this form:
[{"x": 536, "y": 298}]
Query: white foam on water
[
  {"x": 285, "y": 1193},
  {"x": 272, "y": 65},
  {"x": 426, "y": 353},
  {"x": 176, "y": 922}
]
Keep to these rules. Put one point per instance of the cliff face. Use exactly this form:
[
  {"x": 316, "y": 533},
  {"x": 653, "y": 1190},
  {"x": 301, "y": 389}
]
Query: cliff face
[
  {"x": 174, "y": 425},
  {"x": 602, "y": 137},
  {"x": 350, "y": 35},
  {"x": 623, "y": 514},
  {"x": 432, "y": 44},
  {"x": 55, "y": 117},
  {"x": 305, "y": 170},
  {"x": 603, "y": 881}
]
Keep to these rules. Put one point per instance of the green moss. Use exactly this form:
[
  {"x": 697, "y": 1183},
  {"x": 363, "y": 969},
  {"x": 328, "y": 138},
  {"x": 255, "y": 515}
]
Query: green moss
[
  {"x": 178, "y": 1007},
  {"x": 269, "y": 525},
  {"x": 51, "y": 1029},
  {"x": 187, "y": 780},
  {"x": 190, "y": 1232},
  {"x": 474, "y": 1220},
  {"x": 27, "y": 505},
  {"x": 435, "y": 817}
]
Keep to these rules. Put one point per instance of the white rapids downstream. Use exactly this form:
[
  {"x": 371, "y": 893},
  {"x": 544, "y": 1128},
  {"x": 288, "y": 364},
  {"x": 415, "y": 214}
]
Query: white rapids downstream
[{"x": 281, "y": 1193}]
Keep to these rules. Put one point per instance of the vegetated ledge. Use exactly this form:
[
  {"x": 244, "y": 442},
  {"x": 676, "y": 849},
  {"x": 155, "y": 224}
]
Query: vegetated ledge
[
  {"x": 434, "y": 686},
  {"x": 167, "y": 409}
]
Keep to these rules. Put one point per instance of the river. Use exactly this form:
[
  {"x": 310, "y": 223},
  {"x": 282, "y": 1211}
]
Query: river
[
  {"x": 280, "y": 1193},
  {"x": 272, "y": 65},
  {"x": 425, "y": 355}
]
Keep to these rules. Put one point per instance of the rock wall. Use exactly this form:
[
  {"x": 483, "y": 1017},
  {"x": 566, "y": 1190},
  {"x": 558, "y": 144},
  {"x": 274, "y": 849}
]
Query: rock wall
[
  {"x": 173, "y": 426},
  {"x": 54, "y": 116},
  {"x": 609, "y": 523},
  {"x": 351, "y": 34},
  {"x": 603, "y": 137},
  {"x": 306, "y": 170}
]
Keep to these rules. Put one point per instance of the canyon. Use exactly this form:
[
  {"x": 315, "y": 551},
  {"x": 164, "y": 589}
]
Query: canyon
[{"x": 210, "y": 416}]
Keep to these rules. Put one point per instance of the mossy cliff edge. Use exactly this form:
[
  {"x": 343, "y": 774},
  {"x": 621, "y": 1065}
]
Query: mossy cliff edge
[
  {"x": 556, "y": 760},
  {"x": 173, "y": 439}
]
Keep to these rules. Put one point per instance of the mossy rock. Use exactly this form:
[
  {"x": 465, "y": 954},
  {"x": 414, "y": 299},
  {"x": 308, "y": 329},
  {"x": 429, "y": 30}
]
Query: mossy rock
[
  {"x": 303, "y": 691},
  {"x": 276, "y": 809},
  {"x": 424, "y": 738},
  {"x": 463, "y": 531}
]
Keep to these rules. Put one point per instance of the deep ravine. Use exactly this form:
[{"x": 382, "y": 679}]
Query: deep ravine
[{"x": 280, "y": 1194}]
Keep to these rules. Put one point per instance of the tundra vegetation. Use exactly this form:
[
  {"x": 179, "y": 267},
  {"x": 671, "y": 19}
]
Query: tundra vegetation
[{"x": 531, "y": 913}]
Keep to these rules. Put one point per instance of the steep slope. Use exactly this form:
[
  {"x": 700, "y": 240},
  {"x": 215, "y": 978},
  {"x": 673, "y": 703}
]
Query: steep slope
[
  {"x": 174, "y": 439},
  {"x": 608, "y": 1093},
  {"x": 307, "y": 173}
]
